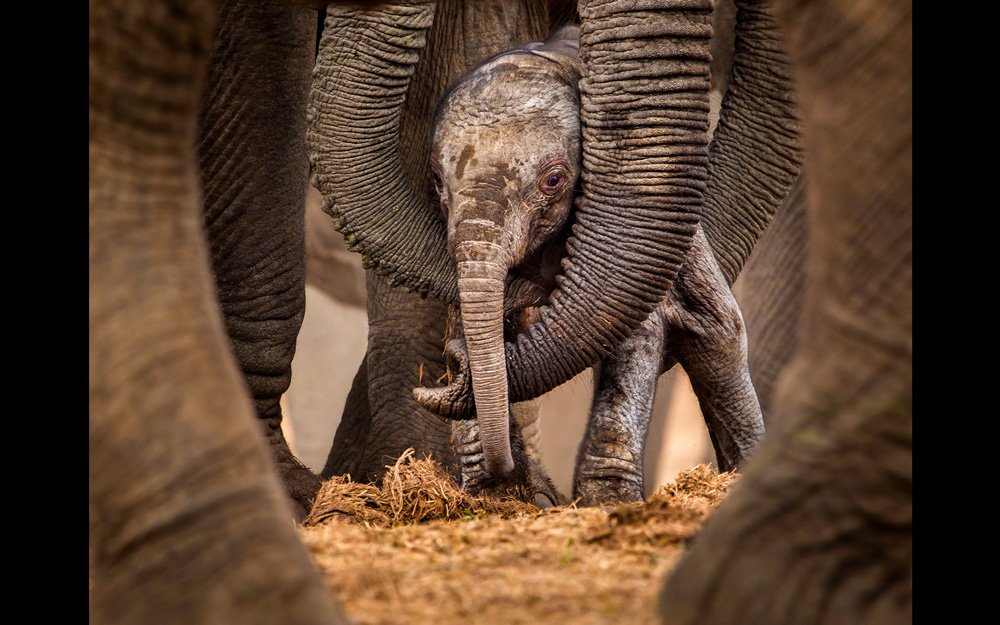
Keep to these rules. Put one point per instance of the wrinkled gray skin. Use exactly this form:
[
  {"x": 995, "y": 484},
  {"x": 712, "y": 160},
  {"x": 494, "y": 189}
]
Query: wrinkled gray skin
[
  {"x": 505, "y": 154},
  {"x": 386, "y": 221},
  {"x": 196, "y": 196},
  {"x": 820, "y": 528},
  {"x": 186, "y": 514},
  {"x": 699, "y": 326}
]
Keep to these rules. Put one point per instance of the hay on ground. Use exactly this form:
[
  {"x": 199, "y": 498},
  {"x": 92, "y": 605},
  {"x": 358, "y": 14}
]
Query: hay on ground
[
  {"x": 412, "y": 491},
  {"x": 418, "y": 550}
]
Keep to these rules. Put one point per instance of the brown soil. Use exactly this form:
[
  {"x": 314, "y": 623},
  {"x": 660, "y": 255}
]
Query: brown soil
[{"x": 418, "y": 550}]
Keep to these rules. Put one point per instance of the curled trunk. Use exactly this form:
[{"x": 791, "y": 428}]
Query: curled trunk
[{"x": 362, "y": 73}]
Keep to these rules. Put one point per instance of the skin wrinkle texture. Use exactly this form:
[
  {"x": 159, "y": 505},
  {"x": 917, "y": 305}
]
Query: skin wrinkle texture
[
  {"x": 488, "y": 204},
  {"x": 821, "y": 527},
  {"x": 188, "y": 521},
  {"x": 858, "y": 315},
  {"x": 189, "y": 228},
  {"x": 461, "y": 35},
  {"x": 636, "y": 284}
]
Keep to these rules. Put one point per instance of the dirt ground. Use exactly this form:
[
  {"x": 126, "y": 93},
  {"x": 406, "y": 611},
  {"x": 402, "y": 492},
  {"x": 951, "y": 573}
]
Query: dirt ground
[{"x": 417, "y": 550}]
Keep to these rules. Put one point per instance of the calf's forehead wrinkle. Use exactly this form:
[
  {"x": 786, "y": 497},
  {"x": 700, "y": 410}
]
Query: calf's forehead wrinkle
[
  {"x": 516, "y": 150},
  {"x": 505, "y": 102}
]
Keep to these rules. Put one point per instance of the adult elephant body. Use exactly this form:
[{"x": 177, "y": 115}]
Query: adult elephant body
[
  {"x": 820, "y": 528},
  {"x": 188, "y": 522}
]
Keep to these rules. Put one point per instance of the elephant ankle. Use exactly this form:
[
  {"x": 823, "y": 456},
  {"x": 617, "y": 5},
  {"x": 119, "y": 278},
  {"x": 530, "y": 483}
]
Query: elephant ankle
[
  {"x": 300, "y": 483},
  {"x": 607, "y": 491},
  {"x": 598, "y": 483}
]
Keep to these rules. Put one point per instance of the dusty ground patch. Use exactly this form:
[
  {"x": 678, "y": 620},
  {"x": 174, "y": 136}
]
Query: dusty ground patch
[{"x": 418, "y": 550}]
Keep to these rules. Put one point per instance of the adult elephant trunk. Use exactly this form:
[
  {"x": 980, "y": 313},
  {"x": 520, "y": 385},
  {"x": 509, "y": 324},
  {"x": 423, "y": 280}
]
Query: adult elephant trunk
[
  {"x": 362, "y": 74},
  {"x": 756, "y": 153}
]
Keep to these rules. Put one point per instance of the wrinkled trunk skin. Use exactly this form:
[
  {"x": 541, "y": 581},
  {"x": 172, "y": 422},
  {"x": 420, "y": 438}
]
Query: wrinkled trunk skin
[
  {"x": 528, "y": 481},
  {"x": 820, "y": 528},
  {"x": 480, "y": 286},
  {"x": 188, "y": 523},
  {"x": 644, "y": 117},
  {"x": 756, "y": 152}
]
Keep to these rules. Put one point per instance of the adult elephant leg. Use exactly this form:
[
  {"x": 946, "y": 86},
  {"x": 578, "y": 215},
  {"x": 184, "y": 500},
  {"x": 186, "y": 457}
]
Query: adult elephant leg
[
  {"x": 820, "y": 528},
  {"x": 352, "y": 432},
  {"x": 706, "y": 333},
  {"x": 769, "y": 291},
  {"x": 526, "y": 416},
  {"x": 609, "y": 463},
  {"x": 188, "y": 523},
  {"x": 254, "y": 164},
  {"x": 405, "y": 338}
]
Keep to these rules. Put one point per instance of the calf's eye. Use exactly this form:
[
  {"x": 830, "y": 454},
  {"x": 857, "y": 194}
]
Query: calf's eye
[{"x": 552, "y": 182}]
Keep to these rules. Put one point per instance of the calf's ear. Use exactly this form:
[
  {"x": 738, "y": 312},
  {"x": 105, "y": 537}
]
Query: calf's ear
[{"x": 563, "y": 48}]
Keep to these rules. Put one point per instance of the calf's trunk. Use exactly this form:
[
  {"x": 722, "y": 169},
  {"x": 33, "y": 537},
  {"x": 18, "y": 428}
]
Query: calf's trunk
[{"x": 482, "y": 265}]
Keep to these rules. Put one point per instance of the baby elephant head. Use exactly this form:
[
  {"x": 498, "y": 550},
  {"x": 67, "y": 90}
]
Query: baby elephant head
[{"x": 506, "y": 157}]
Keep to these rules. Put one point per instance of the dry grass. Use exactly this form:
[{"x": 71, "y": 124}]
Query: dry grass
[
  {"x": 413, "y": 491},
  {"x": 418, "y": 550}
]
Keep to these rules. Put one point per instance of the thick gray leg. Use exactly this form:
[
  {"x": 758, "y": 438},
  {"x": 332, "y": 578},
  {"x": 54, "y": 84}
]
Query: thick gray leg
[
  {"x": 526, "y": 415},
  {"x": 706, "y": 333},
  {"x": 405, "y": 334},
  {"x": 609, "y": 462},
  {"x": 352, "y": 433},
  {"x": 700, "y": 326},
  {"x": 252, "y": 153}
]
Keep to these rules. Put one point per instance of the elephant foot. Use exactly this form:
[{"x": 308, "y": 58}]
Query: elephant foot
[
  {"x": 595, "y": 492},
  {"x": 530, "y": 484},
  {"x": 301, "y": 484},
  {"x": 601, "y": 481},
  {"x": 528, "y": 481}
]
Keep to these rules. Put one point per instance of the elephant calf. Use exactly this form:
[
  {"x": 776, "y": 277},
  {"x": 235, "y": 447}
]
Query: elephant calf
[{"x": 506, "y": 160}]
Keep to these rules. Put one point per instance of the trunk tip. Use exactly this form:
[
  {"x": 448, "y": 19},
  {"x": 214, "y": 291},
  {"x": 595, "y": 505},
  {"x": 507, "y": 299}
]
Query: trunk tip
[{"x": 499, "y": 468}]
